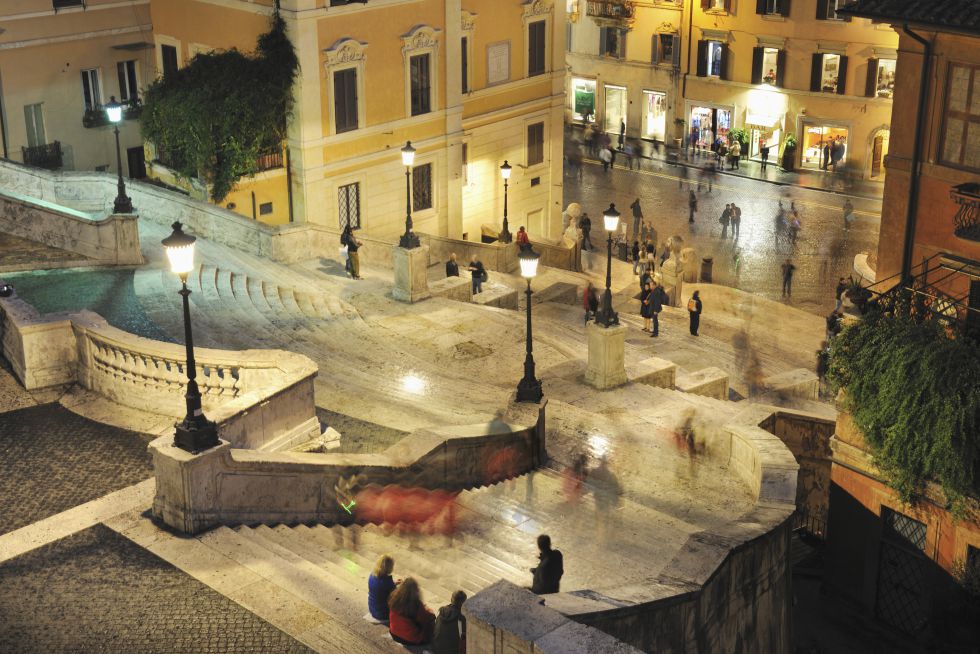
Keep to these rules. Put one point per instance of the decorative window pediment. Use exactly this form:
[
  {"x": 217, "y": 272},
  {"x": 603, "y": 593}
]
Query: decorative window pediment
[
  {"x": 467, "y": 20},
  {"x": 534, "y": 8},
  {"x": 421, "y": 37},
  {"x": 345, "y": 51}
]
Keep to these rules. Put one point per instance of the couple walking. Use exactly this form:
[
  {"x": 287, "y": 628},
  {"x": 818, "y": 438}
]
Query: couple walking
[
  {"x": 653, "y": 297},
  {"x": 732, "y": 215}
]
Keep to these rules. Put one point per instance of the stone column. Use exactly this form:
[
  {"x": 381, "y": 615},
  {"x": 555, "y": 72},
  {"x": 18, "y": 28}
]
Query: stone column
[
  {"x": 411, "y": 268},
  {"x": 454, "y": 121},
  {"x": 607, "y": 356}
]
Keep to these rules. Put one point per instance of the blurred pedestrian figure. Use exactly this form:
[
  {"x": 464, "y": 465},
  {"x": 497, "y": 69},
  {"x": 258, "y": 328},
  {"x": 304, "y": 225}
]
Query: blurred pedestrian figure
[
  {"x": 838, "y": 293},
  {"x": 574, "y": 158},
  {"x": 794, "y": 229},
  {"x": 764, "y": 153},
  {"x": 522, "y": 239},
  {"x": 694, "y": 308},
  {"x": 735, "y": 154},
  {"x": 754, "y": 376},
  {"x": 848, "y": 210},
  {"x": 607, "y": 494},
  {"x": 452, "y": 268},
  {"x": 708, "y": 172},
  {"x": 411, "y": 623},
  {"x": 788, "y": 269},
  {"x": 606, "y": 157},
  {"x": 590, "y": 135},
  {"x": 449, "y": 633},
  {"x": 681, "y": 176},
  {"x": 658, "y": 298},
  {"x": 826, "y": 155},
  {"x": 637, "y": 217},
  {"x": 629, "y": 153},
  {"x": 590, "y": 301},
  {"x": 575, "y": 478},
  {"x": 692, "y": 204},
  {"x": 665, "y": 254},
  {"x": 823, "y": 365},
  {"x": 622, "y": 133},
  {"x": 635, "y": 253},
  {"x": 833, "y": 324},
  {"x": 550, "y": 568},
  {"x": 646, "y": 274},
  {"x": 585, "y": 224},
  {"x": 736, "y": 220},
  {"x": 380, "y": 587},
  {"x": 726, "y": 218}
]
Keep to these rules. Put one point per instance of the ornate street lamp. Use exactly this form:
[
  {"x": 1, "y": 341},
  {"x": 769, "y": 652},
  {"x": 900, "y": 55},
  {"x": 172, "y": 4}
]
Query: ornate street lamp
[
  {"x": 409, "y": 239},
  {"x": 114, "y": 111},
  {"x": 605, "y": 316},
  {"x": 504, "y": 236},
  {"x": 195, "y": 433},
  {"x": 529, "y": 388}
]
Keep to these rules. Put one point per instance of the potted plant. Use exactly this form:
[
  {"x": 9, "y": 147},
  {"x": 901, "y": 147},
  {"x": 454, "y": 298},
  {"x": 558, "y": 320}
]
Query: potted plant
[
  {"x": 857, "y": 294},
  {"x": 789, "y": 153}
]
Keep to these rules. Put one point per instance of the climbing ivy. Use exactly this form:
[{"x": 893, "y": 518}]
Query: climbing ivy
[
  {"x": 218, "y": 114},
  {"x": 914, "y": 391}
]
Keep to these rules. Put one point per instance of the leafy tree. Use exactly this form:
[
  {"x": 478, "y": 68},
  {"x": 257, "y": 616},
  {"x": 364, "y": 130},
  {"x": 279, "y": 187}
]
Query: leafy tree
[
  {"x": 914, "y": 391},
  {"x": 219, "y": 113}
]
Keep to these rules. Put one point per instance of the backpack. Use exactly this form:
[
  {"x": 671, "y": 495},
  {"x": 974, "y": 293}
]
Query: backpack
[
  {"x": 485, "y": 276},
  {"x": 692, "y": 305}
]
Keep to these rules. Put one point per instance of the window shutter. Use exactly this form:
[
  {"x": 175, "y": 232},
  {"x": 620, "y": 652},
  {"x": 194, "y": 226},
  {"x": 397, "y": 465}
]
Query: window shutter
[
  {"x": 123, "y": 85},
  {"x": 464, "y": 63},
  {"x": 602, "y": 40},
  {"x": 702, "y": 59},
  {"x": 676, "y": 52},
  {"x": 705, "y": 4},
  {"x": 784, "y": 7},
  {"x": 760, "y": 6},
  {"x": 724, "y": 62},
  {"x": 871, "y": 81},
  {"x": 655, "y": 49},
  {"x": 816, "y": 67},
  {"x": 781, "y": 69},
  {"x": 842, "y": 76},
  {"x": 821, "y": 9},
  {"x": 757, "y": 65},
  {"x": 32, "y": 135}
]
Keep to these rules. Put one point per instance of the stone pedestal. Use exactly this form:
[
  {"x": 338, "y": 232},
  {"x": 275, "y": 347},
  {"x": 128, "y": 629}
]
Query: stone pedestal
[
  {"x": 672, "y": 277},
  {"x": 411, "y": 283},
  {"x": 607, "y": 356}
]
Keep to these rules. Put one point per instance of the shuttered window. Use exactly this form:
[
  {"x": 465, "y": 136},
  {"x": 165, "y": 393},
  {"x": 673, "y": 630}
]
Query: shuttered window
[
  {"x": 535, "y": 48},
  {"x": 420, "y": 84},
  {"x": 345, "y": 100},
  {"x": 535, "y": 144}
]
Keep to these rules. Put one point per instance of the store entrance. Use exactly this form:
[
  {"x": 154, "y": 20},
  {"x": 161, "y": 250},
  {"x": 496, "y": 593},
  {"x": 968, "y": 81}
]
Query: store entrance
[
  {"x": 824, "y": 147},
  {"x": 760, "y": 138},
  {"x": 708, "y": 125}
]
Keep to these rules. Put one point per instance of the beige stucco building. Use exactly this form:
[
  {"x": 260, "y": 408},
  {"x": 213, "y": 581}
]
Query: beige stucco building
[
  {"x": 60, "y": 62},
  {"x": 677, "y": 69},
  {"x": 471, "y": 83}
]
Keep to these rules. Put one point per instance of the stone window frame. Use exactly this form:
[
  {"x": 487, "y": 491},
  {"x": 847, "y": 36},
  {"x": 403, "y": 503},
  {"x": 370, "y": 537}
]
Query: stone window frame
[
  {"x": 536, "y": 11},
  {"x": 95, "y": 89},
  {"x": 467, "y": 31},
  {"x": 345, "y": 54},
  {"x": 968, "y": 118},
  {"x": 423, "y": 39},
  {"x": 161, "y": 40},
  {"x": 528, "y": 123},
  {"x": 424, "y": 212}
]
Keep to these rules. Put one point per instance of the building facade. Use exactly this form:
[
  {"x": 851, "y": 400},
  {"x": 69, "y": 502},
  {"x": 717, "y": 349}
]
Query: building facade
[
  {"x": 691, "y": 70},
  {"x": 470, "y": 83},
  {"x": 60, "y": 62}
]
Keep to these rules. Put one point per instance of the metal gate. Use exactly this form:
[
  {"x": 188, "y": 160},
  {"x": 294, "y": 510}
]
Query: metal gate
[{"x": 902, "y": 594}]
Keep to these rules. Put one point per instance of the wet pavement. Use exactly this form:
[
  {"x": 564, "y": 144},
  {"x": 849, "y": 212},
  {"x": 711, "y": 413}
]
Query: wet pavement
[{"x": 823, "y": 251}]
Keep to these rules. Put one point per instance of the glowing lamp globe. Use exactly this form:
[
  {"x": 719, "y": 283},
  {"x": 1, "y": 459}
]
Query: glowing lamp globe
[
  {"x": 529, "y": 263},
  {"x": 180, "y": 251},
  {"x": 505, "y": 170},
  {"x": 114, "y": 110},
  {"x": 611, "y": 218},
  {"x": 408, "y": 154}
]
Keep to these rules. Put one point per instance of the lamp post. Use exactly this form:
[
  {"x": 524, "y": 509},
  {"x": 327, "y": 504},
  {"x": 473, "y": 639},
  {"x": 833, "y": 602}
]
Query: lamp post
[
  {"x": 195, "y": 432},
  {"x": 409, "y": 239},
  {"x": 504, "y": 236},
  {"x": 605, "y": 316},
  {"x": 529, "y": 388},
  {"x": 114, "y": 112}
]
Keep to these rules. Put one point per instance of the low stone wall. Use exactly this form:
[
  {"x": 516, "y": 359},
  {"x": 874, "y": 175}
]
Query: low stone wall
[
  {"x": 809, "y": 439},
  {"x": 453, "y": 288},
  {"x": 799, "y": 382},
  {"x": 653, "y": 372},
  {"x": 566, "y": 255},
  {"x": 501, "y": 257},
  {"x": 111, "y": 240},
  {"x": 710, "y": 382},
  {"x": 232, "y": 486},
  {"x": 258, "y": 398}
]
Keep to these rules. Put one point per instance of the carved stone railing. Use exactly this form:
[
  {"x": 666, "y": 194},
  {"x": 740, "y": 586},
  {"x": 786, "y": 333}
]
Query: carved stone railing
[{"x": 616, "y": 12}]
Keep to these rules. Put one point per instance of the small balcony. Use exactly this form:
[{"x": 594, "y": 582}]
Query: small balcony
[
  {"x": 47, "y": 156},
  {"x": 966, "y": 222},
  {"x": 616, "y": 13},
  {"x": 97, "y": 117},
  {"x": 269, "y": 160}
]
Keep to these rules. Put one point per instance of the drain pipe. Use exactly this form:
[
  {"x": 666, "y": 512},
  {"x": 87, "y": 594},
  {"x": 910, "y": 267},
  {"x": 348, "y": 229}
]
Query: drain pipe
[{"x": 909, "y": 245}]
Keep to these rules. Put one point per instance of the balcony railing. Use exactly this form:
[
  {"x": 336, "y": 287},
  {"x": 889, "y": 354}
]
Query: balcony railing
[
  {"x": 44, "y": 156},
  {"x": 966, "y": 222},
  {"x": 269, "y": 160},
  {"x": 97, "y": 116},
  {"x": 617, "y": 10}
]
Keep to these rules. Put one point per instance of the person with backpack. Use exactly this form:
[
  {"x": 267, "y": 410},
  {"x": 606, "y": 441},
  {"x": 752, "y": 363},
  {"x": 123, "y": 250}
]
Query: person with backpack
[
  {"x": 449, "y": 634},
  {"x": 479, "y": 274},
  {"x": 694, "y": 311}
]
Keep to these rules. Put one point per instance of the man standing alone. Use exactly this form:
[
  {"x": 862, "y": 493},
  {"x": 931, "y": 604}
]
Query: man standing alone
[
  {"x": 788, "y": 270},
  {"x": 637, "y": 217},
  {"x": 548, "y": 573}
]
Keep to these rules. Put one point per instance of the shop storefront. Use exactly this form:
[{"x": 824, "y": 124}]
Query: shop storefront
[
  {"x": 615, "y": 108},
  {"x": 763, "y": 130},
  {"x": 654, "y": 115},
  {"x": 583, "y": 99},
  {"x": 708, "y": 124},
  {"x": 823, "y": 145}
]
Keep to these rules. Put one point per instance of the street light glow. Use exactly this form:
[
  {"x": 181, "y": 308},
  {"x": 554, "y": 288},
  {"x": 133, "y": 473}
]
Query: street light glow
[
  {"x": 529, "y": 263},
  {"x": 408, "y": 154},
  {"x": 180, "y": 251},
  {"x": 611, "y": 218},
  {"x": 113, "y": 110},
  {"x": 505, "y": 170}
]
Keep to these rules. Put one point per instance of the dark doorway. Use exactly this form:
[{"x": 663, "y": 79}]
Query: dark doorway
[
  {"x": 973, "y": 313},
  {"x": 136, "y": 163},
  {"x": 877, "y": 150}
]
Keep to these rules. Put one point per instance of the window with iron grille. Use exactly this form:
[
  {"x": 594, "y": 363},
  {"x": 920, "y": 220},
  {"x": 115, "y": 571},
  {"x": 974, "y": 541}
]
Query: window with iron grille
[
  {"x": 422, "y": 187},
  {"x": 421, "y": 87},
  {"x": 961, "y": 122},
  {"x": 91, "y": 92},
  {"x": 535, "y": 144},
  {"x": 128, "y": 84},
  {"x": 349, "y": 205},
  {"x": 535, "y": 48},
  {"x": 900, "y": 528},
  {"x": 345, "y": 100}
]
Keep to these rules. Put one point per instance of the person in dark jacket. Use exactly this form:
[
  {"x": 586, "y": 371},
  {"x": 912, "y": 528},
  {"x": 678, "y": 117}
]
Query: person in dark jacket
[
  {"x": 637, "y": 217},
  {"x": 838, "y": 293},
  {"x": 380, "y": 587},
  {"x": 411, "y": 623},
  {"x": 449, "y": 635},
  {"x": 479, "y": 272},
  {"x": 590, "y": 301},
  {"x": 694, "y": 310},
  {"x": 585, "y": 224},
  {"x": 452, "y": 268},
  {"x": 692, "y": 204},
  {"x": 646, "y": 305},
  {"x": 547, "y": 576},
  {"x": 658, "y": 298},
  {"x": 635, "y": 252}
]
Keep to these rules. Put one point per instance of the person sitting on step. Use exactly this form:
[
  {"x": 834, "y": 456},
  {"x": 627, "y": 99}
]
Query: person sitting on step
[
  {"x": 380, "y": 587},
  {"x": 410, "y": 622},
  {"x": 449, "y": 635}
]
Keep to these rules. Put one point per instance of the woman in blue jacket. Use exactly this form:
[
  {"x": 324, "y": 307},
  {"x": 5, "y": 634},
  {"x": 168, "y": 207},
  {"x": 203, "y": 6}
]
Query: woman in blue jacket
[{"x": 380, "y": 586}]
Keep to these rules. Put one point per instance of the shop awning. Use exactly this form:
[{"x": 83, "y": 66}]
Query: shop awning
[{"x": 761, "y": 121}]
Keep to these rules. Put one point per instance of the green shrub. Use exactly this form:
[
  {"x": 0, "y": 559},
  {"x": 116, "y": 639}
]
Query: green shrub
[{"x": 914, "y": 392}]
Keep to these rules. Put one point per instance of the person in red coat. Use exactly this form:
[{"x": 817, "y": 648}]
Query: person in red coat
[
  {"x": 410, "y": 622},
  {"x": 522, "y": 239}
]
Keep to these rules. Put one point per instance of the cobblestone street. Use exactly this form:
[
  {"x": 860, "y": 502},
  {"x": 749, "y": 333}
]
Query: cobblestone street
[
  {"x": 97, "y": 591},
  {"x": 823, "y": 251}
]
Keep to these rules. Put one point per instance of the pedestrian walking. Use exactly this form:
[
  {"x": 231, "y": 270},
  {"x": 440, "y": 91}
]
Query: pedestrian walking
[
  {"x": 692, "y": 205},
  {"x": 585, "y": 224},
  {"x": 452, "y": 268},
  {"x": 590, "y": 139},
  {"x": 353, "y": 245},
  {"x": 764, "y": 154},
  {"x": 605, "y": 156},
  {"x": 646, "y": 305},
  {"x": 479, "y": 274},
  {"x": 550, "y": 568},
  {"x": 736, "y": 220},
  {"x": 788, "y": 269},
  {"x": 635, "y": 253},
  {"x": 682, "y": 177},
  {"x": 590, "y": 301},
  {"x": 449, "y": 633},
  {"x": 848, "y": 210},
  {"x": 658, "y": 298},
  {"x": 649, "y": 248},
  {"x": 838, "y": 294},
  {"x": 725, "y": 220},
  {"x": 735, "y": 154},
  {"x": 826, "y": 156},
  {"x": 694, "y": 308},
  {"x": 622, "y": 134},
  {"x": 522, "y": 239},
  {"x": 637, "y": 217}
]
